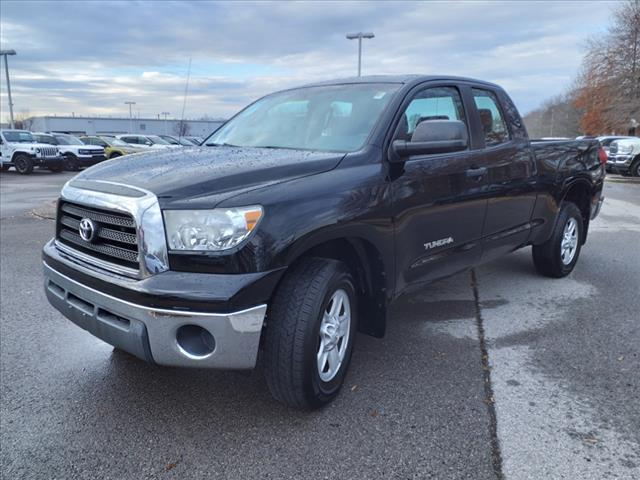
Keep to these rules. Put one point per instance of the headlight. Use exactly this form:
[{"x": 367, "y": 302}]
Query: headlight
[
  {"x": 37, "y": 150},
  {"x": 213, "y": 230}
]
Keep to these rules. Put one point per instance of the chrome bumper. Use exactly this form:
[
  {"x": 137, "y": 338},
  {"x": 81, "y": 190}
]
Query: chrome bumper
[
  {"x": 152, "y": 334},
  {"x": 619, "y": 161}
]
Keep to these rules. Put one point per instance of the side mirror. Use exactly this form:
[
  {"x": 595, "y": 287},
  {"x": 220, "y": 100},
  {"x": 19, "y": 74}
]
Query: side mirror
[
  {"x": 148, "y": 143},
  {"x": 429, "y": 137}
]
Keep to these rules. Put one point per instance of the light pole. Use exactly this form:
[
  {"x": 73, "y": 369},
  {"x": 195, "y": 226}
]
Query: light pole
[
  {"x": 130, "y": 116},
  {"x": 5, "y": 54},
  {"x": 165, "y": 115},
  {"x": 359, "y": 36}
]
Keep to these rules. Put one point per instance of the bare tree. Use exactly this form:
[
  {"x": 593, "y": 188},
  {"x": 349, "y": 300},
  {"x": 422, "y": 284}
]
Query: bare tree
[
  {"x": 608, "y": 86},
  {"x": 605, "y": 97},
  {"x": 23, "y": 120}
]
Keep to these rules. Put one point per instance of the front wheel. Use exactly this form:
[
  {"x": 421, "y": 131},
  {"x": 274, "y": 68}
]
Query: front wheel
[
  {"x": 311, "y": 327},
  {"x": 558, "y": 256},
  {"x": 56, "y": 168},
  {"x": 72, "y": 162},
  {"x": 634, "y": 170},
  {"x": 23, "y": 164}
]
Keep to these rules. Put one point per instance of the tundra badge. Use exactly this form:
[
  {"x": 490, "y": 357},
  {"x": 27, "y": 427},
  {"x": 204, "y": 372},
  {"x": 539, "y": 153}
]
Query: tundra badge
[{"x": 438, "y": 243}]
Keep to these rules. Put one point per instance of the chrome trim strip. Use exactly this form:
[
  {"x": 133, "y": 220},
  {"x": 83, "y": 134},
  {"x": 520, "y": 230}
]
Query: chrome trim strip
[
  {"x": 97, "y": 262},
  {"x": 145, "y": 210}
]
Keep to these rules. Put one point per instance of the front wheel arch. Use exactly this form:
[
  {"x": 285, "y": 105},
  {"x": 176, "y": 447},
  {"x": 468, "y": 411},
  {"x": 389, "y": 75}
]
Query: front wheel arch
[{"x": 366, "y": 263}]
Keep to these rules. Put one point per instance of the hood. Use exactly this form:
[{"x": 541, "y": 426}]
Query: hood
[
  {"x": 209, "y": 174},
  {"x": 81, "y": 147}
]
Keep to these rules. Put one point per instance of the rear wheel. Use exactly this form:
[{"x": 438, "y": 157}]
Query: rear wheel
[
  {"x": 558, "y": 256},
  {"x": 5, "y": 167},
  {"x": 310, "y": 333},
  {"x": 23, "y": 164},
  {"x": 114, "y": 155}
]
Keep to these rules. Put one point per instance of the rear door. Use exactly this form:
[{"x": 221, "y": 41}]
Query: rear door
[
  {"x": 438, "y": 203},
  {"x": 510, "y": 170}
]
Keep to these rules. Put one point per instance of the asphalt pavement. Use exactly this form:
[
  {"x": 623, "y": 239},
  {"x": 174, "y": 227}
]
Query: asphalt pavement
[{"x": 497, "y": 373}]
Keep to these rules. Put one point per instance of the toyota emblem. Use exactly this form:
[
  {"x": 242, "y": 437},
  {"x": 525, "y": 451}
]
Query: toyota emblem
[{"x": 87, "y": 230}]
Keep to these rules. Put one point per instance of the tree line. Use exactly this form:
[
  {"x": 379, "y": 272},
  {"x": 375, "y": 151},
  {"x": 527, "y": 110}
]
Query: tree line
[{"x": 604, "y": 98}]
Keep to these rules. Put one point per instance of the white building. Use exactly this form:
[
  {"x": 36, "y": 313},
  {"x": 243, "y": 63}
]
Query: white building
[{"x": 115, "y": 125}]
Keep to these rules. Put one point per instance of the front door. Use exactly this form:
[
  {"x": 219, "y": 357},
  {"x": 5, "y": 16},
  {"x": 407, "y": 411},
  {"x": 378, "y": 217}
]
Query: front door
[{"x": 438, "y": 200}]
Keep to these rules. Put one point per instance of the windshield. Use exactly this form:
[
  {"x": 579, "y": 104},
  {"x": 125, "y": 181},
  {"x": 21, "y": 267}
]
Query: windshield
[
  {"x": 325, "y": 118},
  {"x": 158, "y": 140},
  {"x": 170, "y": 140},
  {"x": 48, "y": 139},
  {"x": 18, "y": 137},
  {"x": 68, "y": 140}
]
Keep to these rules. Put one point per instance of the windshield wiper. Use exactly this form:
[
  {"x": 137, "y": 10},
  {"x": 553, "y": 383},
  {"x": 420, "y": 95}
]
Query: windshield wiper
[{"x": 219, "y": 145}]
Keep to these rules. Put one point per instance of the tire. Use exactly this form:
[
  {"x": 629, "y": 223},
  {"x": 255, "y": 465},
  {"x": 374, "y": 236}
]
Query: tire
[
  {"x": 5, "y": 167},
  {"x": 634, "y": 170},
  {"x": 553, "y": 258},
  {"x": 56, "y": 168},
  {"x": 23, "y": 164},
  {"x": 115, "y": 155},
  {"x": 292, "y": 337},
  {"x": 71, "y": 162}
]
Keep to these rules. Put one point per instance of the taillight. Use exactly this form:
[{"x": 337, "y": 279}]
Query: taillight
[{"x": 603, "y": 155}]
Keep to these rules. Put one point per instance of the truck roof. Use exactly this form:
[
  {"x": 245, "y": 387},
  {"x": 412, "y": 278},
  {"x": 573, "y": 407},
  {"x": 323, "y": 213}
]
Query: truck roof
[{"x": 401, "y": 79}]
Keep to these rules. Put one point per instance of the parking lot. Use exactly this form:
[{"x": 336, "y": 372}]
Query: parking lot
[{"x": 494, "y": 373}]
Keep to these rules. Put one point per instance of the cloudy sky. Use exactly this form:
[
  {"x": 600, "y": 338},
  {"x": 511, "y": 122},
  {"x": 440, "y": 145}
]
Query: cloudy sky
[{"x": 90, "y": 57}]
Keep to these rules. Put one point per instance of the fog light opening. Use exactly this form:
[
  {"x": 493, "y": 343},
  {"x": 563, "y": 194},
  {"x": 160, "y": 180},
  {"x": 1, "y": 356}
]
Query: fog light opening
[{"x": 195, "y": 341}]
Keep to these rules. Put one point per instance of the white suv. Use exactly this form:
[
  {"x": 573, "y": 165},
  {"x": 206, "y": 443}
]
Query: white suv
[
  {"x": 77, "y": 154},
  {"x": 146, "y": 141},
  {"x": 20, "y": 150},
  {"x": 624, "y": 157}
]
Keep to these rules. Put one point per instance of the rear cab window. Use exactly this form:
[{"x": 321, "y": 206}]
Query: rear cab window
[{"x": 492, "y": 120}]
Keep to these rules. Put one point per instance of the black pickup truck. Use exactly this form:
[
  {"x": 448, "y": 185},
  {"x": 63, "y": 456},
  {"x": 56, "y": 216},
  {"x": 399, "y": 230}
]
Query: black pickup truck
[{"x": 304, "y": 216}]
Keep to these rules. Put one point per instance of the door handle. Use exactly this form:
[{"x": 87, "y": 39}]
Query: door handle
[{"x": 476, "y": 172}]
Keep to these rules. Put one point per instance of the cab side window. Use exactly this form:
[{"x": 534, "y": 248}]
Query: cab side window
[
  {"x": 436, "y": 103},
  {"x": 493, "y": 124}
]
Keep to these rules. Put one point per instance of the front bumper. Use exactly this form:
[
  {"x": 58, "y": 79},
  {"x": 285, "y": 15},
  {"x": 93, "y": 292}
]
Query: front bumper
[
  {"x": 48, "y": 161},
  {"x": 619, "y": 163},
  {"x": 152, "y": 333},
  {"x": 88, "y": 160}
]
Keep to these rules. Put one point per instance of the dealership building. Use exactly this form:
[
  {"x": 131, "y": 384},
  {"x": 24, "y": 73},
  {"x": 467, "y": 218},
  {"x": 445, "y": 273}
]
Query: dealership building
[{"x": 115, "y": 125}]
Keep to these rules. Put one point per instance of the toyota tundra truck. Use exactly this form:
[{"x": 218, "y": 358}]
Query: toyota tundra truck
[{"x": 305, "y": 216}]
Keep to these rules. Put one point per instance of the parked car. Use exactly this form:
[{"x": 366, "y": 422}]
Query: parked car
[
  {"x": 20, "y": 150},
  {"x": 309, "y": 212},
  {"x": 77, "y": 154},
  {"x": 112, "y": 146},
  {"x": 195, "y": 140},
  {"x": 624, "y": 157},
  {"x": 146, "y": 141},
  {"x": 182, "y": 141}
]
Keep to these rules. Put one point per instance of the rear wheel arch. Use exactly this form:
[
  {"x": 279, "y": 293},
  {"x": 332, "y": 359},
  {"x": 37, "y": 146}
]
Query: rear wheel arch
[{"x": 580, "y": 193}]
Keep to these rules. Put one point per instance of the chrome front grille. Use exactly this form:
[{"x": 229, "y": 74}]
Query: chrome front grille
[{"x": 115, "y": 240}]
